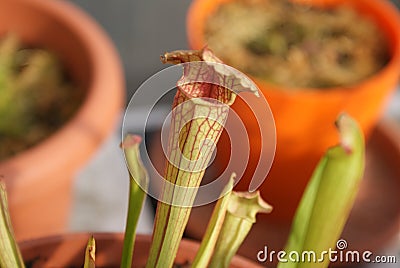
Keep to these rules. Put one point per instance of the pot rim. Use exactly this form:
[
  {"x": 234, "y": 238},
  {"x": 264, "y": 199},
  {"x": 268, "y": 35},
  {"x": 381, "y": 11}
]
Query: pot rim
[{"x": 193, "y": 245}]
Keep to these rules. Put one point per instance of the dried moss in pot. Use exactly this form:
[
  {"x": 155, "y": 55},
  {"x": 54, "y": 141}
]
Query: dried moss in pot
[
  {"x": 36, "y": 96},
  {"x": 296, "y": 45}
]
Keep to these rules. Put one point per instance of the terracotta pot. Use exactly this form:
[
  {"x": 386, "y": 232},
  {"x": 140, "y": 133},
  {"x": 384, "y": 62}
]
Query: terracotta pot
[
  {"x": 39, "y": 180},
  {"x": 68, "y": 251},
  {"x": 304, "y": 117}
]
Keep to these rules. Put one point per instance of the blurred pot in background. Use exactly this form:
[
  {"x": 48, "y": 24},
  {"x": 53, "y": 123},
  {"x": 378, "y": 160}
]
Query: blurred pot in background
[
  {"x": 39, "y": 179},
  {"x": 303, "y": 113}
]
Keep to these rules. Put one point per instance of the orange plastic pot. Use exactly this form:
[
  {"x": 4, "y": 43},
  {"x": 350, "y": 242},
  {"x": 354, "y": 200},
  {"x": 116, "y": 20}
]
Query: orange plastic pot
[
  {"x": 69, "y": 251},
  {"x": 39, "y": 181},
  {"x": 304, "y": 117}
]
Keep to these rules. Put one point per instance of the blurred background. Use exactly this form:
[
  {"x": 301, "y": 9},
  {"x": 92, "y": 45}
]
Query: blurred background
[{"x": 143, "y": 30}]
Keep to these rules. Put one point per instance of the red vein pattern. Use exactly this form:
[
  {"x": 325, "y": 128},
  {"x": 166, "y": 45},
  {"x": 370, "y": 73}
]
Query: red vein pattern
[{"x": 199, "y": 113}]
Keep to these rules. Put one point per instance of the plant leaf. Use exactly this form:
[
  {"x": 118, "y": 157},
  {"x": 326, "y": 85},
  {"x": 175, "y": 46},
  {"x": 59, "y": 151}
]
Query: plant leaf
[
  {"x": 137, "y": 176},
  {"x": 210, "y": 237},
  {"x": 199, "y": 112},
  {"x": 10, "y": 255},
  {"x": 240, "y": 217},
  {"x": 329, "y": 197},
  {"x": 90, "y": 253}
]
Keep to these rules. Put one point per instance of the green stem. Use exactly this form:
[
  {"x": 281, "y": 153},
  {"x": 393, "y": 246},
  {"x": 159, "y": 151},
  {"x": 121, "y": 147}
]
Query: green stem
[
  {"x": 90, "y": 253},
  {"x": 138, "y": 176},
  {"x": 207, "y": 246},
  {"x": 240, "y": 217},
  {"x": 10, "y": 255}
]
